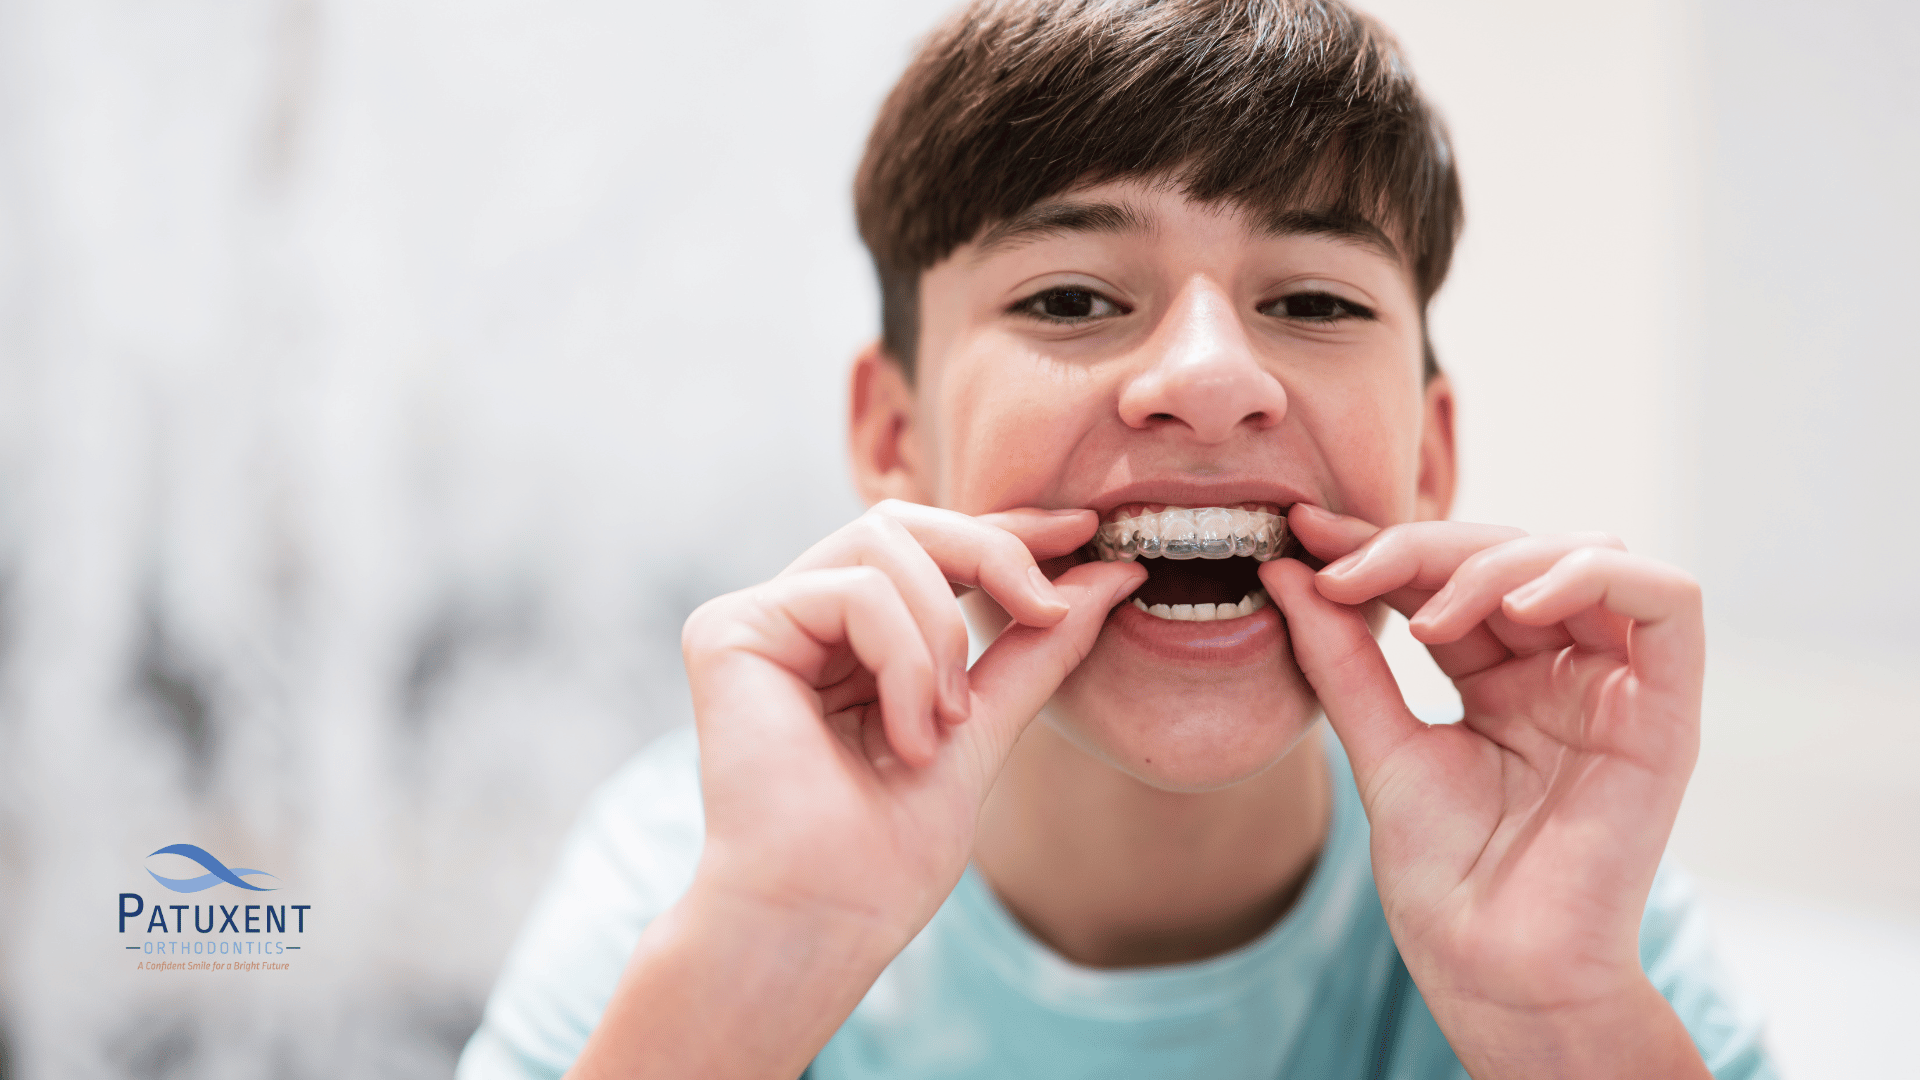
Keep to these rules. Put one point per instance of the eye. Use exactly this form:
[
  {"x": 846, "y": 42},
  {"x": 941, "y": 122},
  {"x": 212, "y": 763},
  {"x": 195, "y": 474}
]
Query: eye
[
  {"x": 1317, "y": 307},
  {"x": 1068, "y": 306}
]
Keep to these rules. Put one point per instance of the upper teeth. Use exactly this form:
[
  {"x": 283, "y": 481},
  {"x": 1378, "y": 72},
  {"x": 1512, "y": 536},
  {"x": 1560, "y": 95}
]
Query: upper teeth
[{"x": 1211, "y": 532}]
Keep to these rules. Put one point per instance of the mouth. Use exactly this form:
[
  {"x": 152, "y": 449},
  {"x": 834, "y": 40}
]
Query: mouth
[{"x": 1203, "y": 563}]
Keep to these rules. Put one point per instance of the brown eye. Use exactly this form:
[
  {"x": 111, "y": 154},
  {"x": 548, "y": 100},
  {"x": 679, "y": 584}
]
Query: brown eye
[
  {"x": 1068, "y": 305},
  {"x": 1318, "y": 307}
]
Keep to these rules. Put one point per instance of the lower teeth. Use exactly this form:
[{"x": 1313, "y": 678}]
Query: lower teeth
[{"x": 1248, "y": 604}]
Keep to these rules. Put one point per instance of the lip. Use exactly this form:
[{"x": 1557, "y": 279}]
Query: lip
[
  {"x": 1194, "y": 493},
  {"x": 1228, "y": 643}
]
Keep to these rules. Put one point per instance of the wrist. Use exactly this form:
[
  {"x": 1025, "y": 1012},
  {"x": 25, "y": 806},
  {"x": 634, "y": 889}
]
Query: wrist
[
  {"x": 726, "y": 984},
  {"x": 1630, "y": 1031},
  {"x": 791, "y": 938},
  {"x": 853, "y": 915}
]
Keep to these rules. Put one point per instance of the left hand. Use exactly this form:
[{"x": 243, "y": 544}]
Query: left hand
[{"x": 1514, "y": 850}]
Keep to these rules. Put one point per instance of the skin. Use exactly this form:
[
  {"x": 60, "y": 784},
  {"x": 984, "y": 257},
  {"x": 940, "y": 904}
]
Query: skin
[{"x": 1170, "y": 799}]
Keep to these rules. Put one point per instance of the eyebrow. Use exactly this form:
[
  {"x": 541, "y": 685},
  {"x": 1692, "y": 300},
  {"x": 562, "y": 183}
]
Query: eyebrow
[
  {"x": 1334, "y": 226},
  {"x": 1051, "y": 219},
  {"x": 1059, "y": 219}
]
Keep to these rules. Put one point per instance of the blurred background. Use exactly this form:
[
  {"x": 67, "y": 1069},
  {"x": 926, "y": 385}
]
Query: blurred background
[{"x": 383, "y": 381}]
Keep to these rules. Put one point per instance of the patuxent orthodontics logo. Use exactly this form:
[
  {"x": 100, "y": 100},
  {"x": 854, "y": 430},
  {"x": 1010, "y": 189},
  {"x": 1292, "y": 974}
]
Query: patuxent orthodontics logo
[{"x": 212, "y": 936}]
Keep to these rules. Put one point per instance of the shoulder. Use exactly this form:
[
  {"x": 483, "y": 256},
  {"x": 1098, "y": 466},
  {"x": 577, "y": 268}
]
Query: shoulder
[{"x": 629, "y": 857}]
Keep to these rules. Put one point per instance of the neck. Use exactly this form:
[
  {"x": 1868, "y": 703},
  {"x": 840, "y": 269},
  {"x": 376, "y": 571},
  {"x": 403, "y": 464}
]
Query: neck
[{"x": 1110, "y": 872}]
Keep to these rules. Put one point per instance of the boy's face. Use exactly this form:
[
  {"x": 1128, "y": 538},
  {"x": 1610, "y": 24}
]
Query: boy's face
[{"x": 1123, "y": 348}]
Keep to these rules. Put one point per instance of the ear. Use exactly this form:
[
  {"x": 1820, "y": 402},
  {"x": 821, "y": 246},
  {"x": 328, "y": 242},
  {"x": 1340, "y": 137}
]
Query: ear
[
  {"x": 880, "y": 430},
  {"x": 1439, "y": 455}
]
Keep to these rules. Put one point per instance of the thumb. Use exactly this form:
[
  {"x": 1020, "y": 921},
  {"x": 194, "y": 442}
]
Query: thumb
[
  {"x": 1048, "y": 534},
  {"x": 1024, "y": 666},
  {"x": 1349, "y": 674}
]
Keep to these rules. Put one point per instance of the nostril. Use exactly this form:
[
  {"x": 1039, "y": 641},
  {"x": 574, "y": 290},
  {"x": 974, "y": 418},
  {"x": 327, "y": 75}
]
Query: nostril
[{"x": 1161, "y": 416}]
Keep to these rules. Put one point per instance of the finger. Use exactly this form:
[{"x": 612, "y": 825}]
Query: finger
[
  {"x": 1326, "y": 535},
  {"x": 1516, "y": 639},
  {"x": 1476, "y": 587},
  {"x": 1014, "y": 678},
  {"x": 1421, "y": 555},
  {"x": 998, "y": 552},
  {"x": 856, "y": 688},
  {"x": 1668, "y": 640},
  {"x": 1404, "y": 565},
  {"x": 797, "y": 621},
  {"x": 975, "y": 553},
  {"x": 1597, "y": 630},
  {"x": 1337, "y": 653},
  {"x": 909, "y": 541},
  {"x": 882, "y": 542},
  {"x": 1048, "y": 534}
]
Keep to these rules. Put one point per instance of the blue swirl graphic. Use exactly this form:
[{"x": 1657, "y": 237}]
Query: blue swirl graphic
[{"x": 217, "y": 871}]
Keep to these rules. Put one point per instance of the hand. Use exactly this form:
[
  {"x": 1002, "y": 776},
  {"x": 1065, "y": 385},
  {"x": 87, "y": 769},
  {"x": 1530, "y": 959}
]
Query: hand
[
  {"x": 845, "y": 748},
  {"x": 1513, "y": 850}
]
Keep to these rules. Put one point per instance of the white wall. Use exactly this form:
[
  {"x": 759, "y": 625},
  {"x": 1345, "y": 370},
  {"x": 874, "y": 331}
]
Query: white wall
[
  {"x": 1683, "y": 312},
  {"x": 381, "y": 381}
]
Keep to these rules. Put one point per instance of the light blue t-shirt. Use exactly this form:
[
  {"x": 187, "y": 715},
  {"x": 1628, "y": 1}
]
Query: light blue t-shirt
[{"x": 1323, "y": 993}]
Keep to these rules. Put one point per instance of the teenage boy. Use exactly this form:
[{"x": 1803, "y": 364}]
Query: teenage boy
[{"x": 1155, "y": 278}]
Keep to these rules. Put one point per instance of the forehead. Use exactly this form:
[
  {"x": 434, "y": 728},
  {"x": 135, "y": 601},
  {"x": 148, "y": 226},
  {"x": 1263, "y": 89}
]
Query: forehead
[{"x": 1156, "y": 209}]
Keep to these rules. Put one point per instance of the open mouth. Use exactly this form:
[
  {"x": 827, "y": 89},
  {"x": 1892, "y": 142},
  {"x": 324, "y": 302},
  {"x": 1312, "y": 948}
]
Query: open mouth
[{"x": 1203, "y": 564}]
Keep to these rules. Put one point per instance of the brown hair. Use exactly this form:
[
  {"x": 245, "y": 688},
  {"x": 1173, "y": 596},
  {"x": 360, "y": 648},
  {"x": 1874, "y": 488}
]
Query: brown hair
[{"x": 1278, "y": 105}]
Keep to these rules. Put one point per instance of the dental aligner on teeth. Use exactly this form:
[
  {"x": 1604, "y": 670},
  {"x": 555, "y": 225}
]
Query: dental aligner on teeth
[{"x": 1211, "y": 532}]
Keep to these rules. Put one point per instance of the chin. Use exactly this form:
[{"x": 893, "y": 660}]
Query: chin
[{"x": 1184, "y": 706}]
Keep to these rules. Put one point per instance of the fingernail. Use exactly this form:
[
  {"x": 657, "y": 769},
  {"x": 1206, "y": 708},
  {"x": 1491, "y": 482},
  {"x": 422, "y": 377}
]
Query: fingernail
[
  {"x": 1070, "y": 512},
  {"x": 1345, "y": 564},
  {"x": 1044, "y": 588},
  {"x": 1520, "y": 596}
]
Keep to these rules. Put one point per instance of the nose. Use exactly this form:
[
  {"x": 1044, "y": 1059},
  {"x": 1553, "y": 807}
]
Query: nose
[{"x": 1204, "y": 374}]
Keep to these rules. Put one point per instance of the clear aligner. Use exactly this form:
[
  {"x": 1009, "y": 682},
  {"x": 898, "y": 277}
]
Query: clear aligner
[{"x": 1210, "y": 532}]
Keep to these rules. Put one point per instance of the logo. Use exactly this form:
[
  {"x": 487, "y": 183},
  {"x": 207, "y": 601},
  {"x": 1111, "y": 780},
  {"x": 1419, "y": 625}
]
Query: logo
[
  {"x": 217, "y": 871},
  {"x": 251, "y": 934}
]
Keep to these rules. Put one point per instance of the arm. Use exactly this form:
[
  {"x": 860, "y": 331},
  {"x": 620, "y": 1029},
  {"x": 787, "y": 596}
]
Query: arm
[
  {"x": 845, "y": 751},
  {"x": 1633, "y": 1033},
  {"x": 721, "y": 987},
  {"x": 1515, "y": 849}
]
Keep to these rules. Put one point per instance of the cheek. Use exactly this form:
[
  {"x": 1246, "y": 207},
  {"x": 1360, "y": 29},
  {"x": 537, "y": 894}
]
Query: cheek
[
  {"x": 1371, "y": 440},
  {"x": 1006, "y": 430}
]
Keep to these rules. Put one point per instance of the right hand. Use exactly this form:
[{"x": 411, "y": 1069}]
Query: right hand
[{"x": 845, "y": 749}]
